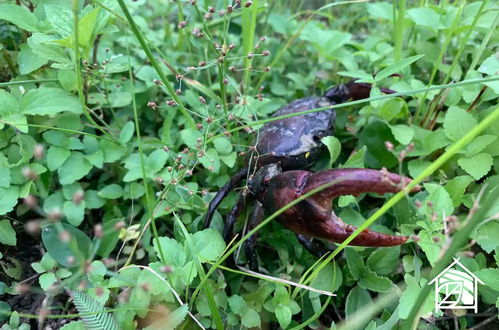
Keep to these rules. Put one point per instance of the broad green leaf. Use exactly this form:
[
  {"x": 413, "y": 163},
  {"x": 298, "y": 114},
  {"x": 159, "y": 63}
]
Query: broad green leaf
[
  {"x": 209, "y": 244},
  {"x": 479, "y": 143},
  {"x": 172, "y": 250},
  {"x": 384, "y": 260},
  {"x": 56, "y": 156},
  {"x": 357, "y": 299},
  {"x": 67, "y": 79},
  {"x": 356, "y": 160},
  {"x": 20, "y": 16},
  {"x": 487, "y": 236},
  {"x": 46, "y": 280},
  {"x": 251, "y": 318},
  {"x": 490, "y": 65},
  {"x": 127, "y": 132},
  {"x": 5, "y": 177},
  {"x": 48, "y": 101},
  {"x": 75, "y": 168},
  {"x": 60, "y": 18},
  {"x": 7, "y": 233},
  {"x": 29, "y": 61},
  {"x": 333, "y": 146},
  {"x": 490, "y": 277},
  {"x": 112, "y": 191},
  {"x": 425, "y": 16},
  {"x": 75, "y": 213},
  {"x": 223, "y": 145},
  {"x": 409, "y": 297},
  {"x": 237, "y": 304},
  {"x": 476, "y": 166},
  {"x": 402, "y": 133},
  {"x": 66, "y": 244},
  {"x": 86, "y": 27},
  {"x": 456, "y": 188},
  {"x": 44, "y": 46},
  {"x": 439, "y": 197},
  {"x": 8, "y": 199},
  {"x": 457, "y": 123},
  {"x": 355, "y": 263},
  {"x": 283, "y": 315},
  {"x": 373, "y": 282},
  {"x": 396, "y": 67}
]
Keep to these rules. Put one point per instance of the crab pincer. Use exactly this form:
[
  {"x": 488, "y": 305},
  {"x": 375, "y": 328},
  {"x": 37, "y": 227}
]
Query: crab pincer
[{"x": 314, "y": 217}]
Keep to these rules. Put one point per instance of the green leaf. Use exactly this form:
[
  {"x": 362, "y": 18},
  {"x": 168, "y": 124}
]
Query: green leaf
[
  {"x": 67, "y": 79},
  {"x": 75, "y": 168},
  {"x": 409, "y": 297},
  {"x": 8, "y": 199},
  {"x": 250, "y": 318},
  {"x": 283, "y": 315},
  {"x": 65, "y": 243},
  {"x": 384, "y": 260},
  {"x": 7, "y": 233},
  {"x": 476, "y": 166},
  {"x": 490, "y": 65},
  {"x": 487, "y": 236},
  {"x": 479, "y": 143},
  {"x": 456, "y": 188},
  {"x": 333, "y": 146},
  {"x": 44, "y": 46},
  {"x": 373, "y": 282},
  {"x": 46, "y": 280},
  {"x": 209, "y": 244},
  {"x": 86, "y": 27},
  {"x": 356, "y": 159},
  {"x": 20, "y": 16},
  {"x": 75, "y": 213},
  {"x": 172, "y": 250},
  {"x": 49, "y": 101},
  {"x": 357, "y": 299},
  {"x": 60, "y": 18},
  {"x": 457, "y": 123},
  {"x": 425, "y": 16},
  {"x": 112, "y": 191},
  {"x": 223, "y": 145},
  {"x": 29, "y": 61},
  {"x": 402, "y": 133},
  {"x": 56, "y": 156},
  {"x": 355, "y": 263},
  {"x": 396, "y": 67},
  {"x": 4, "y": 176},
  {"x": 127, "y": 132},
  {"x": 237, "y": 304},
  {"x": 74, "y": 325},
  {"x": 490, "y": 277}
]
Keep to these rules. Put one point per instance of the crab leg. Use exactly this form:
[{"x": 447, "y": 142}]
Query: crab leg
[{"x": 314, "y": 217}]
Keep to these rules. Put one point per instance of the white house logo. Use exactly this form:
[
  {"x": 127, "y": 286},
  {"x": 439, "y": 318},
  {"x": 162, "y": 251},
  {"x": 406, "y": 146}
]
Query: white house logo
[{"x": 456, "y": 288}]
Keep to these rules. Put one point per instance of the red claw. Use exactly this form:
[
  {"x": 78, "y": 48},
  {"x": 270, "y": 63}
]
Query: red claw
[{"x": 314, "y": 217}]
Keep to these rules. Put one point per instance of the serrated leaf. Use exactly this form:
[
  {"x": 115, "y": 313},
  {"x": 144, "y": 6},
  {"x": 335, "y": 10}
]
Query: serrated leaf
[
  {"x": 60, "y": 18},
  {"x": 172, "y": 250},
  {"x": 209, "y": 244},
  {"x": 457, "y": 123},
  {"x": 476, "y": 166},
  {"x": 357, "y": 299},
  {"x": 487, "y": 236},
  {"x": 373, "y": 282},
  {"x": 456, "y": 188},
  {"x": 8, "y": 199},
  {"x": 223, "y": 145}
]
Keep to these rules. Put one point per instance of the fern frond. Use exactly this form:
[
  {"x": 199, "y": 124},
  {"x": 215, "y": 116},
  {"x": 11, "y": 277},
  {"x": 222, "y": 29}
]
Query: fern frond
[{"x": 93, "y": 315}]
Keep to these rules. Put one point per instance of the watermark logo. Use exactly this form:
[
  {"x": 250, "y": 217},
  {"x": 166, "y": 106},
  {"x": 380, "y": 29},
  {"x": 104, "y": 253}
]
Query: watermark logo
[{"x": 456, "y": 288}]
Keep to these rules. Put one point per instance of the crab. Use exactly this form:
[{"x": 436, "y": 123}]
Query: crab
[{"x": 285, "y": 149}]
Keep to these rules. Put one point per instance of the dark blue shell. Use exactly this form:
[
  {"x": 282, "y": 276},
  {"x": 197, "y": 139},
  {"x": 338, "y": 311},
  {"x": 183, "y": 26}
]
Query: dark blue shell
[{"x": 296, "y": 136}]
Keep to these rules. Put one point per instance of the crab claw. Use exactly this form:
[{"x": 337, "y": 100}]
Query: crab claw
[{"x": 314, "y": 216}]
